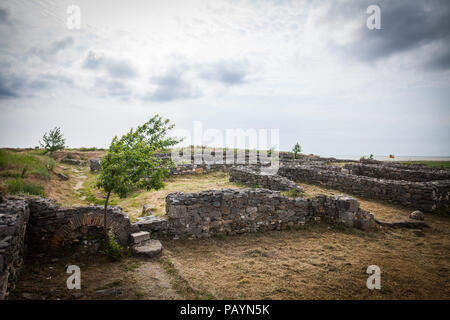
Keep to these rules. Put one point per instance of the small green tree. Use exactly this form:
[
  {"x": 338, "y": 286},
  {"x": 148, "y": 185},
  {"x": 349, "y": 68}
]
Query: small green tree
[
  {"x": 297, "y": 149},
  {"x": 131, "y": 161},
  {"x": 53, "y": 140}
]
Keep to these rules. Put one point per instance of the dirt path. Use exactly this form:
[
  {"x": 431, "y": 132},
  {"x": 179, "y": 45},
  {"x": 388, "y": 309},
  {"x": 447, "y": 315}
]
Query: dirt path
[{"x": 44, "y": 278}]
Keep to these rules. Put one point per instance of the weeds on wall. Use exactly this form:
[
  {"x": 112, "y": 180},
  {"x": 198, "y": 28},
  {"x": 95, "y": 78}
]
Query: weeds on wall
[{"x": 113, "y": 249}]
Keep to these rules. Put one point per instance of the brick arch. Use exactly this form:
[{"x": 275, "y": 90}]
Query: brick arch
[{"x": 75, "y": 222}]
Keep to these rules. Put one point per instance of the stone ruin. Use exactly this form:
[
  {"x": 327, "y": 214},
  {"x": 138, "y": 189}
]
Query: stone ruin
[
  {"x": 42, "y": 225},
  {"x": 418, "y": 188}
]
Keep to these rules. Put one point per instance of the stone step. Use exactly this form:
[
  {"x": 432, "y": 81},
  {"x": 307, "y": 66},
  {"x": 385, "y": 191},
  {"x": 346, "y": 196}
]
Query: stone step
[
  {"x": 140, "y": 237},
  {"x": 149, "y": 249}
]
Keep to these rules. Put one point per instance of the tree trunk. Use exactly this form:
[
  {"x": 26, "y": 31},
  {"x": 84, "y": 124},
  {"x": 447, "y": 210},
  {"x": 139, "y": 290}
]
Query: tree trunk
[{"x": 104, "y": 218}]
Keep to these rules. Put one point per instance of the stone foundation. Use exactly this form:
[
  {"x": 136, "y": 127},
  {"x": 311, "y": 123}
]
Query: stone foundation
[
  {"x": 252, "y": 177},
  {"x": 402, "y": 172},
  {"x": 427, "y": 196},
  {"x": 229, "y": 212}
]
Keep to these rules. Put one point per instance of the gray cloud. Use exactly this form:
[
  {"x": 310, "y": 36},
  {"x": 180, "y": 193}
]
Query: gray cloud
[
  {"x": 6, "y": 92},
  {"x": 4, "y": 17},
  {"x": 171, "y": 86},
  {"x": 115, "y": 67},
  {"x": 226, "y": 72},
  {"x": 405, "y": 26},
  {"x": 10, "y": 85},
  {"x": 92, "y": 61},
  {"x": 114, "y": 89},
  {"x": 14, "y": 86},
  {"x": 48, "y": 52}
]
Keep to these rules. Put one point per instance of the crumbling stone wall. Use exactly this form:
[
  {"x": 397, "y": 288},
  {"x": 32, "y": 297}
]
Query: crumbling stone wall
[
  {"x": 252, "y": 176},
  {"x": 427, "y": 196},
  {"x": 52, "y": 226},
  {"x": 229, "y": 212},
  {"x": 417, "y": 174},
  {"x": 14, "y": 215}
]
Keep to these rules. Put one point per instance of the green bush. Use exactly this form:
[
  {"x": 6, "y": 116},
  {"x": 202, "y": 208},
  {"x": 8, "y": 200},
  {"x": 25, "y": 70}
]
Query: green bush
[
  {"x": 292, "y": 193},
  {"x": 113, "y": 249},
  {"x": 18, "y": 186},
  {"x": 89, "y": 149}
]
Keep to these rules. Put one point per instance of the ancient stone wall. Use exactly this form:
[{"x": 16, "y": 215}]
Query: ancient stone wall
[
  {"x": 427, "y": 196},
  {"x": 229, "y": 212},
  {"x": 417, "y": 174},
  {"x": 52, "y": 226},
  {"x": 252, "y": 177},
  {"x": 14, "y": 217}
]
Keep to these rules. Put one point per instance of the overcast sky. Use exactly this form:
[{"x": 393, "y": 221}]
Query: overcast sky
[{"x": 311, "y": 69}]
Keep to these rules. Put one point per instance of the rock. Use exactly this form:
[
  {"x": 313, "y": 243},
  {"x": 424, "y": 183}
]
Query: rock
[
  {"x": 62, "y": 176},
  {"x": 94, "y": 165},
  {"x": 150, "y": 249},
  {"x": 30, "y": 296},
  {"x": 147, "y": 209},
  {"x": 140, "y": 237},
  {"x": 74, "y": 162},
  {"x": 77, "y": 295},
  {"x": 417, "y": 215},
  {"x": 1, "y": 197},
  {"x": 404, "y": 224},
  {"x": 110, "y": 292}
]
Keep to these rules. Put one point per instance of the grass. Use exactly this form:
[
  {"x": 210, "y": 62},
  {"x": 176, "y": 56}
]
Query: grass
[
  {"x": 292, "y": 193},
  {"x": 317, "y": 262},
  {"x": 13, "y": 163},
  {"x": 436, "y": 164},
  {"x": 18, "y": 186},
  {"x": 135, "y": 201}
]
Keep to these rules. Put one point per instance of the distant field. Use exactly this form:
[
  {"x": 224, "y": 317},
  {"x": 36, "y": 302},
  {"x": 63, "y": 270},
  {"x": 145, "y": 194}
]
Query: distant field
[{"x": 437, "y": 164}]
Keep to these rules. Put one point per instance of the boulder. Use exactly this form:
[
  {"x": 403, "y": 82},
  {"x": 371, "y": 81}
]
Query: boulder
[
  {"x": 147, "y": 209},
  {"x": 150, "y": 249},
  {"x": 417, "y": 215},
  {"x": 74, "y": 162},
  {"x": 62, "y": 176},
  {"x": 94, "y": 165}
]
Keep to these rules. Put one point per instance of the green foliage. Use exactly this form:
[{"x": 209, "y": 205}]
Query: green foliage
[
  {"x": 24, "y": 171},
  {"x": 18, "y": 186},
  {"x": 14, "y": 164},
  {"x": 69, "y": 156},
  {"x": 292, "y": 193},
  {"x": 431, "y": 163},
  {"x": 297, "y": 149},
  {"x": 53, "y": 140},
  {"x": 113, "y": 249},
  {"x": 131, "y": 161},
  {"x": 371, "y": 157},
  {"x": 89, "y": 149}
]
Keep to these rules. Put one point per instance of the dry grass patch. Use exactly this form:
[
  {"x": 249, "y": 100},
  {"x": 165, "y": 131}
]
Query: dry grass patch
[
  {"x": 192, "y": 183},
  {"x": 318, "y": 262},
  {"x": 80, "y": 190},
  {"x": 322, "y": 261}
]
